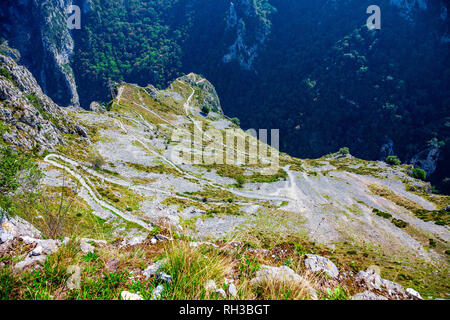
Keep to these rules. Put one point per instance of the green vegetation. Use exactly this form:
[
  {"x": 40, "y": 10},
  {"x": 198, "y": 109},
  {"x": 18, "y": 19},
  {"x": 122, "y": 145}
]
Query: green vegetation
[
  {"x": 336, "y": 294},
  {"x": 440, "y": 217},
  {"x": 393, "y": 160},
  {"x": 132, "y": 41},
  {"x": 182, "y": 204},
  {"x": 4, "y": 127},
  {"x": 16, "y": 170},
  {"x": 118, "y": 195},
  {"x": 344, "y": 151},
  {"x": 160, "y": 168},
  {"x": 358, "y": 167},
  {"x": 236, "y": 121},
  {"x": 240, "y": 180},
  {"x": 238, "y": 173},
  {"x": 419, "y": 174},
  {"x": 399, "y": 223},
  {"x": 382, "y": 214},
  {"x": 248, "y": 266},
  {"x": 190, "y": 269},
  {"x": 96, "y": 161},
  {"x": 5, "y": 73},
  {"x": 205, "y": 109}
]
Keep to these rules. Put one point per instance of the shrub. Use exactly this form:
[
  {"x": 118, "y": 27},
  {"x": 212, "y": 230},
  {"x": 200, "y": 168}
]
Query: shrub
[
  {"x": 419, "y": 174},
  {"x": 5, "y": 73},
  {"x": 344, "y": 151},
  {"x": 96, "y": 161},
  {"x": 399, "y": 223},
  {"x": 236, "y": 121},
  {"x": 393, "y": 160},
  {"x": 382, "y": 214},
  {"x": 205, "y": 109},
  {"x": 432, "y": 243},
  {"x": 240, "y": 180}
]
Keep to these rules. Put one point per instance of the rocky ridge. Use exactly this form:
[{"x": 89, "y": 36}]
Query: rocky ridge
[
  {"x": 38, "y": 29},
  {"x": 29, "y": 117}
]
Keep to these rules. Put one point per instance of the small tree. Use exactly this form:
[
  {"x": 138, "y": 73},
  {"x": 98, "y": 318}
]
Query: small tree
[
  {"x": 236, "y": 121},
  {"x": 55, "y": 210},
  {"x": 344, "y": 151},
  {"x": 393, "y": 160},
  {"x": 240, "y": 180},
  {"x": 419, "y": 174}
]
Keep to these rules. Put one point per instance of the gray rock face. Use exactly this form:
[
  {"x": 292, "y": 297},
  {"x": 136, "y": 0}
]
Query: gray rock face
[
  {"x": 427, "y": 160},
  {"x": 247, "y": 41},
  {"x": 86, "y": 244},
  {"x": 156, "y": 293},
  {"x": 43, "y": 247},
  {"x": 413, "y": 294},
  {"x": 210, "y": 286},
  {"x": 372, "y": 281},
  {"x": 368, "y": 295},
  {"x": 38, "y": 29},
  {"x": 37, "y": 251},
  {"x": 284, "y": 274},
  {"x": 222, "y": 293},
  {"x": 232, "y": 291},
  {"x": 28, "y": 261},
  {"x": 153, "y": 269},
  {"x": 16, "y": 227},
  {"x": 86, "y": 247},
  {"x": 133, "y": 241},
  {"x": 5, "y": 235},
  {"x": 317, "y": 263},
  {"x": 97, "y": 107},
  {"x": 125, "y": 295},
  {"x": 33, "y": 119},
  {"x": 164, "y": 277},
  {"x": 13, "y": 228},
  {"x": 210, "y": 96}
]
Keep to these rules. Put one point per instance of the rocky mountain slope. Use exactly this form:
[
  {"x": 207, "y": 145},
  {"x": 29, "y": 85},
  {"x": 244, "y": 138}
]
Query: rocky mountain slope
[
  {"x": 145, "y": 188},
  {"x": 286, "y": 61},
  {"x": 38, "y": 29},
  {"x": 29, "y": 118}
]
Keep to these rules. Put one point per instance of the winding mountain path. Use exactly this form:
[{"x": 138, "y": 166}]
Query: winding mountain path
[{"x": 91, "y": 192}]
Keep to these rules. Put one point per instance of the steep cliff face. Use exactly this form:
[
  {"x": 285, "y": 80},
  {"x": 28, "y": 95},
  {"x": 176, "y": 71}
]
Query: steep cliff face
[
  {"x": 28, "y": 118},
  {"x": 38, "y": 29},
  {"x": 248, "y": 24}
]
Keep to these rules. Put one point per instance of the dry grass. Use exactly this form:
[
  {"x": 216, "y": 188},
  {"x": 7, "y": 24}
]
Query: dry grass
[
  {"x": 191, "y": 268},
  {"x": 395, "y": 198},
  {"x": 270, "y": 228}
]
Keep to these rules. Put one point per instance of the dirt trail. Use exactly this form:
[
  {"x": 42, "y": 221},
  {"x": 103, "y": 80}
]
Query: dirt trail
[{"x": 91, "y": 194}]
